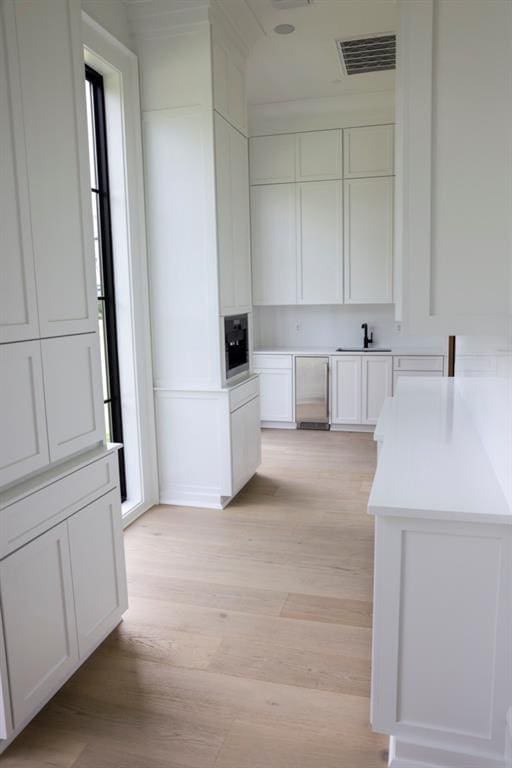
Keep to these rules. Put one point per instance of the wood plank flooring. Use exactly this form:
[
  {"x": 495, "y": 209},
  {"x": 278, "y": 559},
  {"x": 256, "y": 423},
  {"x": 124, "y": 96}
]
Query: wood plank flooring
[{"x": 247, "y": 642}]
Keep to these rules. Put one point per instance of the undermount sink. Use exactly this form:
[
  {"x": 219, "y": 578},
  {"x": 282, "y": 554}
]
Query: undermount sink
[{"x": 361, "y": 349}]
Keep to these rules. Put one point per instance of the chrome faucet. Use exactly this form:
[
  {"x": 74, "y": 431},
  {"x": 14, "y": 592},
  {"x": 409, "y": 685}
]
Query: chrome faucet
[{"x": 367, "y": 339}]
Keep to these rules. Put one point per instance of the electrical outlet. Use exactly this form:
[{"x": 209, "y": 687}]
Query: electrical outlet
[
  {"x": 298, "y": 327},
  {"x": 398, "y": 326}
]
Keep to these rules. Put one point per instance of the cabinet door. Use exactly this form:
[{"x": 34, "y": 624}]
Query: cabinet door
[
  {"x": 226, "y": 254},
  {"x": 23, "y": 442},
  {"x": 274, "y": 244},
  {"x": 74, "y": 402},
  {"x": 276, "y": 394},
  {"x": 50, "y": 62},
  {"x": 368, "y": 233},
  {"x": 399, "y": 374},
  {"x": 18, "y": 306},
  {"x": 346, "y": 389},
  {"x": 39, "y": 622},
  {"x": 240, "y": 220},
  {"x": 377, "y": 384},
  {"x": 319, "y": 155},
  {"x": 96, "y": 536},
  {"x": 368, "y": 151},
  {"x": 245, "y": 443},
  {"x": 320, "y": 242},
  {"x": 272, "y": 159},
  {"x": 233, "y": 231}
]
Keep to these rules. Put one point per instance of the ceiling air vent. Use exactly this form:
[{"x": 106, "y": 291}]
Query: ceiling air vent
[
  {"x": 282, "y": 4},
  {"x": 367, "y": 54}
]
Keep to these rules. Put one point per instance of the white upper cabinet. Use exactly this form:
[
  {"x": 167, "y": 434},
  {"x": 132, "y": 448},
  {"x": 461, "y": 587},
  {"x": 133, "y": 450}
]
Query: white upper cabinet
[
  {"x": 368, "y": 235},
  {"x": 454, "y": 217},
  {"x": 233, "y": 231},
  {"x": 309, "y": 156},
  {"x": 38, "y": 620},
  {"x": 319, "y": 155},
  {"x": 369, "y": 151},
  {"x": 377, "y": 384},
  {"x": 320, "y": 242},
  {"x": 346, "y": 389},
  {"x": 272, "y": 159},
  {"x": 74, "y": 402},
  {"x": 23, "y": 442},
  {"x": 229, "y": 81},
  {"x": 274, "y": 244},
  {"x": 18, "y": 305},
  {"x": 42, "y": 52}
]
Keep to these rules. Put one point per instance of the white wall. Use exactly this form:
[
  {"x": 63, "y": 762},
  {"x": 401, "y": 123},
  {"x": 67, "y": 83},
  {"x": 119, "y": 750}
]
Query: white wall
[
  {"x": 332, "y": 326},
  {"x": 111, "y": 14}
]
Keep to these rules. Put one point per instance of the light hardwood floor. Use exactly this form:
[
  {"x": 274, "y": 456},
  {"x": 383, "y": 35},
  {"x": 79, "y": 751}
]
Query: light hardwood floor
[{"x": 247, "y": 642}]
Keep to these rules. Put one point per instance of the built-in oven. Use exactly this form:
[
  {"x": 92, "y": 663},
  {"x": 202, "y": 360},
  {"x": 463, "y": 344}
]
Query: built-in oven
[{"x": 236, "y": 340}]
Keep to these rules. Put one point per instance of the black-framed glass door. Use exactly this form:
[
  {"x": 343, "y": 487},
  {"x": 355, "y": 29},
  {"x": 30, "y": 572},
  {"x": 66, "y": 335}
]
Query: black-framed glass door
[{"x": 105, "y": 288}]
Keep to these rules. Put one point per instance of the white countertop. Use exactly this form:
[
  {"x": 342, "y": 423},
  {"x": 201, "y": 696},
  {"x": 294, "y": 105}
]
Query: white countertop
[
  {"x": 432, "y": 463},
  {"x": 393, "y": 350}
]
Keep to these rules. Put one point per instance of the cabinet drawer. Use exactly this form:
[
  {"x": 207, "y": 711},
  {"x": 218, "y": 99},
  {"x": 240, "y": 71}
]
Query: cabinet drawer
[
  {"x": 24, "y": 520},
  {"x": 418, "y": 363},
  {"x": 243, "y": 393},
  {"x": 266, "y": 362}
]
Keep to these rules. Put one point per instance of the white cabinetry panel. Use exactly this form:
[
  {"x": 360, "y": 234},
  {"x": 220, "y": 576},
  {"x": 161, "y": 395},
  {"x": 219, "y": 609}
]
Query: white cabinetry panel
[
  {"x": 368, "y": 151},
  {"x": 377, "y": 383},
  {"x": 319, "y": 155},
  {"x": 245, "y": 443},
  {"x": 18, "y": 305},
  {"x": 272, "y": 159},
  {"x": 95, "y": 536},
  {"x": 24, "y": 443},
  {"x": 346, "y": 389},
  {"x": 229, "y": 84},
  {"x": 276, "y": 394},
  {"x": 320, "y": 242},
  {"x": 274, "y": 244},
  {"x": 368, "y": 233},
  {"x": 39, "y": 622},
  {"x": 233, "y": 235},
  {"x": 72, "y": 383},
  {"x": 49, "y": 51},
  {"x": 454, "y": 217}
]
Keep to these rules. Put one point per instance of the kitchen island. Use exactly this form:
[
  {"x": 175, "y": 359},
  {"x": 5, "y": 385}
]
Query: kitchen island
[{"x": 441, "y": 677}]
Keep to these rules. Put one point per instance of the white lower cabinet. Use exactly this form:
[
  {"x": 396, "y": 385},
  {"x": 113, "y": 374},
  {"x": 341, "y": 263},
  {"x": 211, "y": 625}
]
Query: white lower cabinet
[
  {"x": 377, "y": 384},
  {"x": 346, "y": 389},
  {"x": 276, "y": 393},
  {"x": 39, "y": 621},
  {"x": 95, "y": 536},
  {"x": 64, "y": 590},
  {"x": 245, "y": 443}
]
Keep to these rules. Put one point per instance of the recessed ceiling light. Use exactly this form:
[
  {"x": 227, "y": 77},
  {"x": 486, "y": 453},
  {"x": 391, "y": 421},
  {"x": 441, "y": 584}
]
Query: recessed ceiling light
[{"x": 284, "y": 29}]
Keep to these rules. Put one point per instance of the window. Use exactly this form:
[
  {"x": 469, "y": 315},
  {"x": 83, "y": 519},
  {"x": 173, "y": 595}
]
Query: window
[{"x": 100, "y": 199}]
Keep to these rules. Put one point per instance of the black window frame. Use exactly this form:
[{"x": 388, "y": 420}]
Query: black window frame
[{"x": 108, "y": 296}]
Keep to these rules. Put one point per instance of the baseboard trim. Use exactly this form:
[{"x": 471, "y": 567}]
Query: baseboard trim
[
  {"x": 352, "y": 427},
  {"x": 407, "y": 755},
  {"x": 278, "y": 425}
]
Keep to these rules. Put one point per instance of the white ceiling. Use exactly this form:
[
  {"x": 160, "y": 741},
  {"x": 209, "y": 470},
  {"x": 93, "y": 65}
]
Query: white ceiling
[{"x": 305, "y": 64}]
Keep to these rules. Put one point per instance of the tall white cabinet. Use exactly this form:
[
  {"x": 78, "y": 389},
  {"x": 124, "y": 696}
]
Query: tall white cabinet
[
  {"x": 197, "y": 195},
  {"x": 60, "y": 505},
  {"x": 453, "y": 216},
  {"x": 322, "y": 217}
]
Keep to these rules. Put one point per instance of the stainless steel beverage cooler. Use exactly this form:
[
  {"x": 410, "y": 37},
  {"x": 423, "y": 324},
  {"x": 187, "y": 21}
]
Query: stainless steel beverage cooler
[{"x": 312, "y": 392}]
